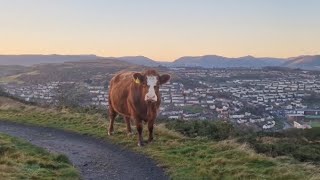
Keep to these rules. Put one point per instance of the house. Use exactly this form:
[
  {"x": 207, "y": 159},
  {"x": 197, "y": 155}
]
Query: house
[
  {"x": 236, "y": 116},
  {"x": 300, "y": 125},
  {"x": 269, "y": 125}
]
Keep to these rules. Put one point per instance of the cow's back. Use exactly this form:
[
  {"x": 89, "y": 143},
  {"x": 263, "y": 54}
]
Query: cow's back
[{"x": 119, "y": 91}]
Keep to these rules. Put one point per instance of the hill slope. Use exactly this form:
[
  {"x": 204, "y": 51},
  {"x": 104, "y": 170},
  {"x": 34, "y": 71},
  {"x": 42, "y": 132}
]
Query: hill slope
[
  {"x": 207, "y": 61},
  {"x": 93, "y": 158},
  {"x": 28, "y": 60},
  {"x": 304, "y": 62},
  {"x": 21, "y": 160},
  {"x": 183, "y": 157},
  {"x": 139, "y": 60},
  {"x": 224, "y": 62},
  {"x": 76, "y": 71}
]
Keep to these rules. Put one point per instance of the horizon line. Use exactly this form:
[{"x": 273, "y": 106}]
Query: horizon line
[{"x": 90, "y": 54}]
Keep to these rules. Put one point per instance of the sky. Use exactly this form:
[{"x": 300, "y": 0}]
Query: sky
[{"x": 161, "y": 29}]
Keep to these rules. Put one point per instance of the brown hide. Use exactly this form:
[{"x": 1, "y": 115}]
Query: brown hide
[{"x": 126, "y": 97}]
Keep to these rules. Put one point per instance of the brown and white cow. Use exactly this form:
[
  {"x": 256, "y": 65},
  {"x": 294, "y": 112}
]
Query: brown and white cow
[{"x": 136, "y": 96}]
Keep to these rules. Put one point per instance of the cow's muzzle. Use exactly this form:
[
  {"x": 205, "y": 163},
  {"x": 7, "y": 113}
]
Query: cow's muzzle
[{"x": 152, "y": 98}]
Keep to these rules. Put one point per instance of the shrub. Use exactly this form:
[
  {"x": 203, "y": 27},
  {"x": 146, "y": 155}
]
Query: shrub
[
  {"x": 302, "y": 145},
  {"x": 217, "y": 130}
]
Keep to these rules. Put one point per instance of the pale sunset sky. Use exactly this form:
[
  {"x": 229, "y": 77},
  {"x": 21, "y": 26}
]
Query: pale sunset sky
[{"x": 161, "y": 29}]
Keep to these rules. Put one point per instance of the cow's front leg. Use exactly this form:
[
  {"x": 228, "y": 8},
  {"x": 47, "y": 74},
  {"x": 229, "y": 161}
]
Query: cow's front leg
[
  {"x": 129, "y": 132},
  {"x": 112, "y": 115},
  {"x": 150, "y": 128},
  {"x": 139, "y": 129}
]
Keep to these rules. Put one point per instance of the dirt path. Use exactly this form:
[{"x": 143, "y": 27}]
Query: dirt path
[{"x": 96, "y": 159}]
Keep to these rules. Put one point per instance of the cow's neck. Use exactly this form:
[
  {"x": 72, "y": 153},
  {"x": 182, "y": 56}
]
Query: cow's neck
[
  {"x": 151, "y": 110},
  {"x": 141, "y": 106}
]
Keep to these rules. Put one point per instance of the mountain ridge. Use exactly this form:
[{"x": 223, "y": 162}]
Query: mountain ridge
[
  {"x": 305, "y": 62},
  {"x": 206, "y": 61},
  {"x": 32, "y": 59}
]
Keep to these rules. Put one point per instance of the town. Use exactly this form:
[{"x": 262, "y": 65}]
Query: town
[{"x": 264, "y": 99}]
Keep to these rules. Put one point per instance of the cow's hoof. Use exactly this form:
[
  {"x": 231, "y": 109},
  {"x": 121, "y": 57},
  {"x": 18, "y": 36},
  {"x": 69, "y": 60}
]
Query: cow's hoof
[
  {"x": 110, "y": 133},
  {"x": 150, "y": 140},
  {"x": 140, "y": 144}
]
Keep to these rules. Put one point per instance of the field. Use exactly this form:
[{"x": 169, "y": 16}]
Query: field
[
  {"x": 315, "y": 124},
  {"x": 9, "y": 79},
  {"x": 15, "y": 78},
  {"x": 21, "y": 160},
  {"x": 182, "y": 157}
]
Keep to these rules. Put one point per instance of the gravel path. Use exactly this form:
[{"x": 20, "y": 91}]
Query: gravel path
[{"x": 96, "y": 159}]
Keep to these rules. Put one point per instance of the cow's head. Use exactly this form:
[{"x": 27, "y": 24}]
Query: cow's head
[{"x": 150, "y": 81}]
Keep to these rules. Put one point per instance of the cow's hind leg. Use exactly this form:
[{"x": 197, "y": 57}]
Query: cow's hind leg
[
  {"x": 139, "y": 129},
  {"x": 129, "y": 131},
  {"x": 112, "y": 115},
  {"x": 150, "y": 128}
]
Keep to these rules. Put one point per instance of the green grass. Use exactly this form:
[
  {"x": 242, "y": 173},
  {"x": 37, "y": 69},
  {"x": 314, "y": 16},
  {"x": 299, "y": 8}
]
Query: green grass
[
  {"x": 182, "y": 157},
  {"x": 315, "y": 124},
  {"x": 21, "y": 160},
  {"x": 302, "y": 145}
]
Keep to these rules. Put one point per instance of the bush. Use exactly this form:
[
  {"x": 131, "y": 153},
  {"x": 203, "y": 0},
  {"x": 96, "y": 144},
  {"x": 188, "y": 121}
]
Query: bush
[
  {"x": 307, "y": 153},
  {"x": 216, "y": 130},
  {"x": 302, "y": 145}
]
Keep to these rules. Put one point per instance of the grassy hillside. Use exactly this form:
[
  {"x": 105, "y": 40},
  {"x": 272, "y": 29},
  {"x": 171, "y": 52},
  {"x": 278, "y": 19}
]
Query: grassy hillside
[
  {"x": 301, "y": 145},
  {"x": 77, "y": 71},
  {"x": 12, "y": 70},
  {"x": 183, "y": 157},
  {"x": 315, "y": 124},
  {"x": 15, "y": 78},
  {"x": 21, "y": 160}
]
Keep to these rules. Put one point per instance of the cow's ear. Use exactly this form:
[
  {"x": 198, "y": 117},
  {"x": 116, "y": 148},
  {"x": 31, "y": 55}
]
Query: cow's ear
[
  {"x": 164, "y": 78},
  {"x": 137, "y": 77}
]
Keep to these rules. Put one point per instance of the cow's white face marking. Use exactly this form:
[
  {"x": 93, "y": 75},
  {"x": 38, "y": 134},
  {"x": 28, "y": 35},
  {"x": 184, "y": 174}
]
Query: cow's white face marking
[{"x": 151, "y": 95}]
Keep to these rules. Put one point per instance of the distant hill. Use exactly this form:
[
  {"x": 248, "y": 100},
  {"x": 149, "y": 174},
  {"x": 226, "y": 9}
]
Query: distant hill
[
  {"x": 9, "y": 70},
  {"x": 28, "y": 60},
  {"x": 210, "y": 61},
  {"x": 207, "y": 61},
  {"x": 139, "y": 60},
  {"x": 98, "y": 70},
  {"x": 304, "y": 62}
]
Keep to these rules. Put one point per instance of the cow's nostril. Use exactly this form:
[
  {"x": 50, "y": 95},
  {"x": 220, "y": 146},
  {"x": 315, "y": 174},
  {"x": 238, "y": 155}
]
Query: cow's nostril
[
  {"x": 151, "y": 97},
  {"x": 151, "y": 101}
]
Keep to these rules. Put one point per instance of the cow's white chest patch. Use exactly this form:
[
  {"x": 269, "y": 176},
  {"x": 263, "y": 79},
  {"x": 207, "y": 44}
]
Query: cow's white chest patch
[{"x": 151, "y": 82}]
